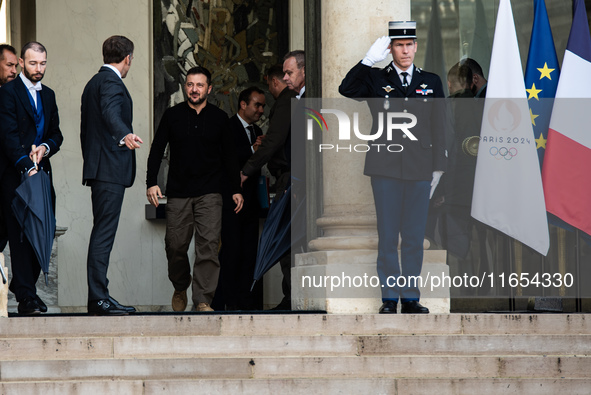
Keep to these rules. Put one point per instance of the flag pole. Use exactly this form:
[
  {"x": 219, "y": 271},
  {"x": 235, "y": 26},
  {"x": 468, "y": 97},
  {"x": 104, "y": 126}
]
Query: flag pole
[
  {"x": 578, "y": 301},
  {"x": 511, "y": 293}
]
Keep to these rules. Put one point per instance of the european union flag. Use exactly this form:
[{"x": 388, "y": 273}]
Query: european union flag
[{"x": 541, "y": 76}]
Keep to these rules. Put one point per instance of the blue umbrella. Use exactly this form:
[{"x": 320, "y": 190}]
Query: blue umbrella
[
  {"x": 33, "y": 209},
  {"x": 276, "y": 237}
]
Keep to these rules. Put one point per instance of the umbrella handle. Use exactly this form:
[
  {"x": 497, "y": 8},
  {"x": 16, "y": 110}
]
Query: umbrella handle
[
  {"x": 4, "y": 279},
  {"x": 33, "y": 148}
]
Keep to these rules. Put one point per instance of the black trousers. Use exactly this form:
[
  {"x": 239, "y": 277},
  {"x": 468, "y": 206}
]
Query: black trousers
[
  {"x": 240, "y": 235},
  {"x": 107, "y": 199},
  {"x": 24, "y": 263}
]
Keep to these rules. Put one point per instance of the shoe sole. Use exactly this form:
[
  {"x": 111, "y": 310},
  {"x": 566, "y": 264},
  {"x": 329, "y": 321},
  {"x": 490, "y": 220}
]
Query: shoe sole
[
  {"x": 413, "y": 312},
  {"x": 107, "y": 315}
]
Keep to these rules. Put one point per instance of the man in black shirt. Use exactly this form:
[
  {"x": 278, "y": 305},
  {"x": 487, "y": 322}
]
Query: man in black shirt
[{"x": 202, "y": 154}]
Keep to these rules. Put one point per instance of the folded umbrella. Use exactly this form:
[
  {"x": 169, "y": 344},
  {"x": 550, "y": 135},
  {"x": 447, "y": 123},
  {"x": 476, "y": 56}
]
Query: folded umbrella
[
  {"x": 282, "y": 229},
  {"x": 33, "y": 209}
]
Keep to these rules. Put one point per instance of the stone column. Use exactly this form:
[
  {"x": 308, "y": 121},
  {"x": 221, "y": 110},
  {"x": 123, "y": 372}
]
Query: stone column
[{"x": 348, "y": 247}]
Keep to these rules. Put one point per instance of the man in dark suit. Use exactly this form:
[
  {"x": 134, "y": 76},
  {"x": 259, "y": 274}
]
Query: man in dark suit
[
  {"x": 108, "y": 145},
  {"x": 28, "y": 117},
  {"x": 272, "y": 149},
  {"x": 294, "y": 75},
  {"x": 479, "y": 83},
  {"x": 272, "y": 152},
  {"x": 403, "y": 181},
  {"x": 8, "y": 63},
  {"x": 240, "y": 231}
]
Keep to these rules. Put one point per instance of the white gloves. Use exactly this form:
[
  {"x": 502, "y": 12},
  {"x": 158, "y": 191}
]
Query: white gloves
[
  {"x": 378, "y": 51},
  {"x": 436, "y": 177}
]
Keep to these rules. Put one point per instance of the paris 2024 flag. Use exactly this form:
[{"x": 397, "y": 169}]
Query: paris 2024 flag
[
  {"x": 567, "y": 163},
  {"x": 508, "y": 194}
]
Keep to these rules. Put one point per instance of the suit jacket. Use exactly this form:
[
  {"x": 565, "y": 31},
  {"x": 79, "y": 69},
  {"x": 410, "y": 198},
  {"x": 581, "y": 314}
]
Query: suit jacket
[
  {"x": 107, "y": 114},
  {"x": 244, "y": 153},
  {"x": 423, "y": 98},
  {"x": 466, "y": 117},
  {"x": 271, "y": 150},
  {"x": 296, "y": 144},
  {"x": 18, "y": 130}
]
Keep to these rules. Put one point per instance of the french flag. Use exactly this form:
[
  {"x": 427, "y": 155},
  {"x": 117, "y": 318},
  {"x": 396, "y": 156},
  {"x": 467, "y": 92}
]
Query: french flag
[{"x": 566, "y": 172}]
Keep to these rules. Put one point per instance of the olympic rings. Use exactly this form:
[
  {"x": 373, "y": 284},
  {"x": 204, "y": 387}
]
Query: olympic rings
[{"x": 503, "y": 153}]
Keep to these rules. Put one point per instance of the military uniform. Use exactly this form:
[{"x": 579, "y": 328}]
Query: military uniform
[
  {"x": 401, "y": 181},
  {"x": 420, "y": 158}
]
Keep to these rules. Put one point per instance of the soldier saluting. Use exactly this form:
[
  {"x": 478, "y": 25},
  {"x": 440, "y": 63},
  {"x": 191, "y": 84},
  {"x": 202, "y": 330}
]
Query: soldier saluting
[{"x": 403, "y": 181}]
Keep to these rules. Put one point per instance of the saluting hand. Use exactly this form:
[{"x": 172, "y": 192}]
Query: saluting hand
[{"x": 378, "y": 51}]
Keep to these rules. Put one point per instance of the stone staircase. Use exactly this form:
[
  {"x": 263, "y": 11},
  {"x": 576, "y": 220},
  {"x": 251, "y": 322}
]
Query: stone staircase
[{"x": 306, "y": 353}]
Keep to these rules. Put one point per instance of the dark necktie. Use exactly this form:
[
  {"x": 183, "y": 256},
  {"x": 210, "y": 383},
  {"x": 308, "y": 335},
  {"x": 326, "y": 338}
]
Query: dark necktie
[
  {"x": 404, "y": 74},
  {"x": 251, "y": 134}
]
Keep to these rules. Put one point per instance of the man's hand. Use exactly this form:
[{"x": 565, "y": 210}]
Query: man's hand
[
  {"x": 438, "y": 202},
  {"x": 153, "y": 193},
  {"x": 243, "y": 179},
  {"x": 239, "y": 200},
  {"x": 258, "y": 142},
  {"x": 37, "y": 153},
  {"x": 131, "y": 141},
  {"x": 436, "y": 177},
  {"x": 378, "y": 51}
]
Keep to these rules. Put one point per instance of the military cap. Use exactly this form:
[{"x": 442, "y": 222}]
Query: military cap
[{"x": 402, "y": 29}]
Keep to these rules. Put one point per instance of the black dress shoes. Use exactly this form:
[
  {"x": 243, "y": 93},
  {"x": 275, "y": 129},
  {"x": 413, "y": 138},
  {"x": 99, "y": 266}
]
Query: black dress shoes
[
  {"x": 129, "y": 309},
  {"x": 389, "y": 307},
  {"x": 104, "y": 307},
  {"x": 285, "y": 305},
  {"x": 414, "y": 307},
  {"x": 28, "y": 306},
  {"x": 42, "y": 306}
]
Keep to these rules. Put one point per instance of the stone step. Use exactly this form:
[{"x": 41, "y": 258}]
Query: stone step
[
  {"x": 15, "y": 349},
  {"x": 451, "y": 367},
  {"x": 293, "y": 325},
  {"x": 273, "y": 353},
  {"x": 524, "y": 344},
  {"x": 306, "y": 386}
]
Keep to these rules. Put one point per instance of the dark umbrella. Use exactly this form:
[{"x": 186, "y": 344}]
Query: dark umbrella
[
  {"x": 33, "y": 209},
  {"x": 276, "y": 238},
  {"x": 3, "y": 238}
]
